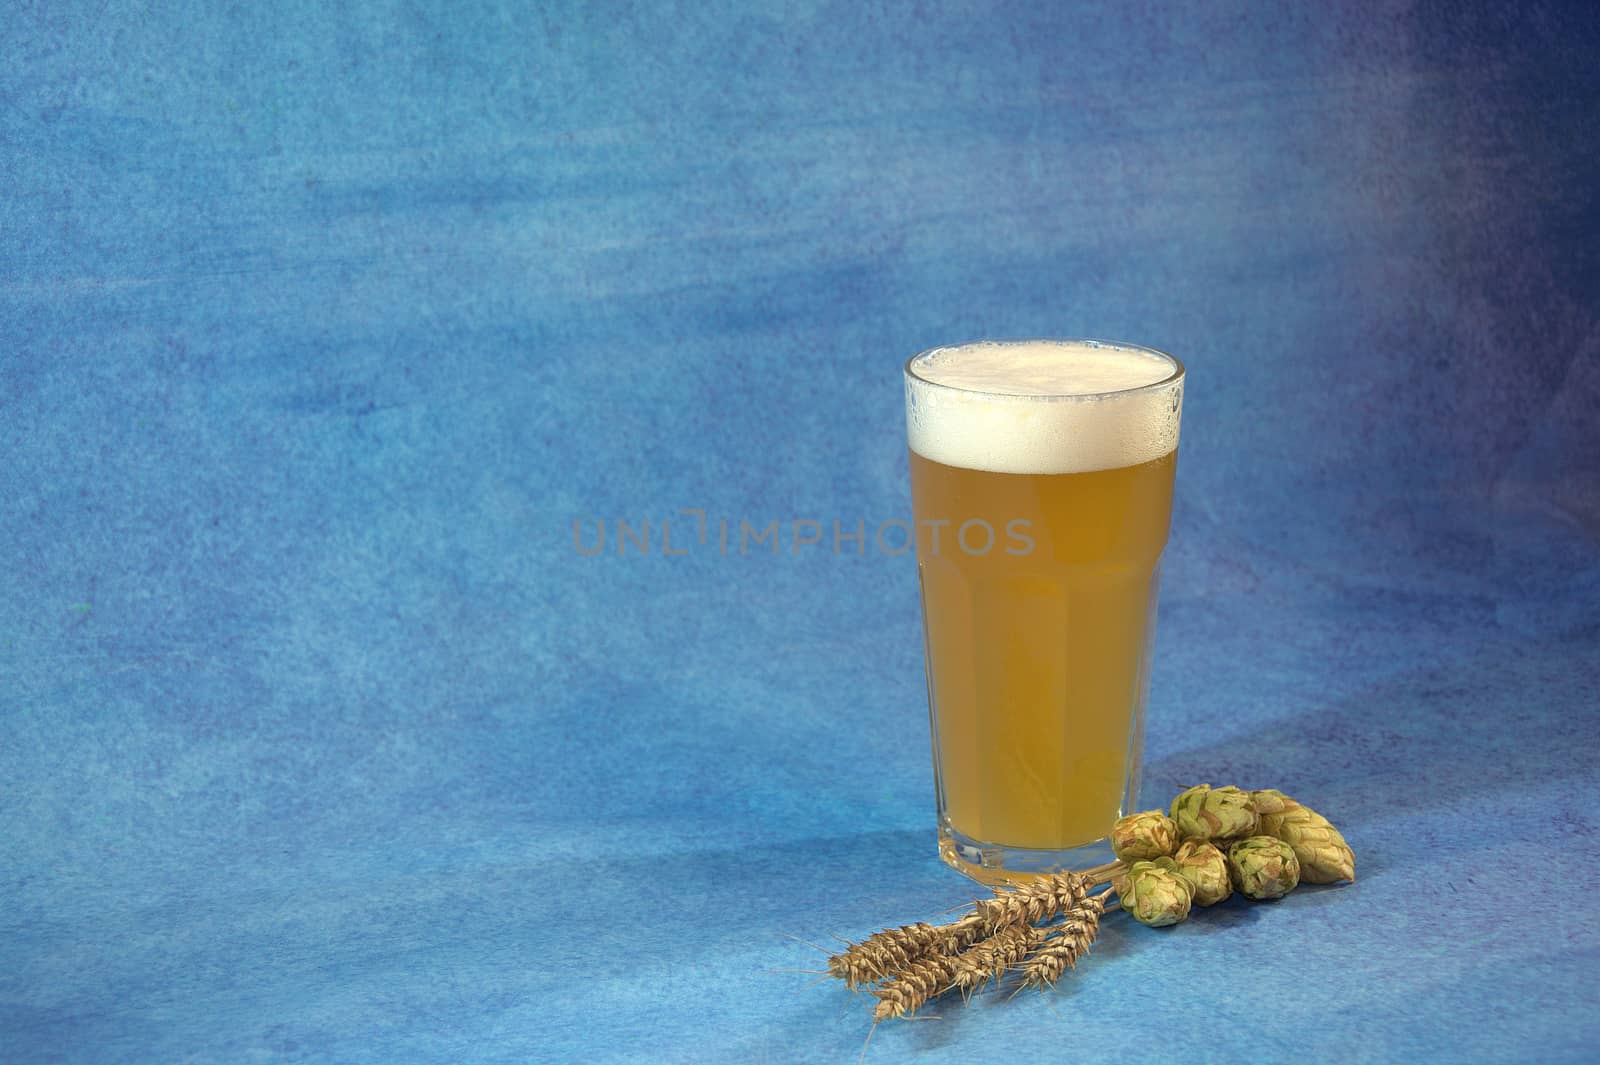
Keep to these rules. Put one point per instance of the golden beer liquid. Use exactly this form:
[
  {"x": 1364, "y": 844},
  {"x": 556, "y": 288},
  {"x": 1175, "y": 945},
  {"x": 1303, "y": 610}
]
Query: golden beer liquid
[{"x": 1037, "y": 661}]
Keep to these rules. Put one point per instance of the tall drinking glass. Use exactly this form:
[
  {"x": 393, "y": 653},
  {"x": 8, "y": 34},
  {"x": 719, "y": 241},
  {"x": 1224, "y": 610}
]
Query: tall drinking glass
[{"x": 1041, "y": 481}]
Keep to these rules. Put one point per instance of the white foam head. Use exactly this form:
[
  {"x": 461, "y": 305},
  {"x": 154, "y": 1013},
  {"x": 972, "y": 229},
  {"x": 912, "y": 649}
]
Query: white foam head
[{"x": 1043, "y": 406}]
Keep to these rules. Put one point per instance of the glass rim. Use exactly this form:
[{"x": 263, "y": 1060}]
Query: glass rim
[{"x": 1090, "y": 342}]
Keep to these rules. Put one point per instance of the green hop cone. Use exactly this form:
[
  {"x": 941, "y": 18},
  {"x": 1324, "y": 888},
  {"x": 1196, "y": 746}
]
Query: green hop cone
[
  {"x": 1324, "y": 855},
  {"x": 1263, "y": 867},
  {"x": 1206, "y": 869},
  {"x": 1154, "y": 893},
  {"x": 1270, "y": 801},
  {"x": 1151, "y": 834},
  {"x": 1207, "y": 813}
]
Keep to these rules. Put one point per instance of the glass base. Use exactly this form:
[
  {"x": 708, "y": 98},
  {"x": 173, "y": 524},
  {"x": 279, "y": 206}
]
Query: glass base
[{"x": 993, "y": 864}]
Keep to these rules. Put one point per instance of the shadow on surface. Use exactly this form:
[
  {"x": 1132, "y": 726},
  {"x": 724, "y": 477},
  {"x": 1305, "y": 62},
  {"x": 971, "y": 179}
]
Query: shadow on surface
[{"x": 1509, "y": 716}]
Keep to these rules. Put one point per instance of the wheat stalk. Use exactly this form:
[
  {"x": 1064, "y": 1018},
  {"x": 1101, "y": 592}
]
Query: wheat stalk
[{"x": 893, "y": 949}]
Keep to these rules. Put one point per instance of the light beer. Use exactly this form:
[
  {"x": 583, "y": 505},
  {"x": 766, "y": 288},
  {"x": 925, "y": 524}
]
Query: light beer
[{"x": 1038, "y": 636}]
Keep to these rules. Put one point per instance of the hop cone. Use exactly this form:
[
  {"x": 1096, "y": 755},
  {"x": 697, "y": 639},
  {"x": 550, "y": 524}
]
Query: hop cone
[
  {"x": 1207, "y": 813},
  {"x": 1151, "y": 834},
  {"x": 1323, "y": 854},
  {"x": 1270, "y": 801},
  {"x": 1155, "y": 893},
  {"x": 1206, "y": 869},
  {"x": 1263, "y": 867}
]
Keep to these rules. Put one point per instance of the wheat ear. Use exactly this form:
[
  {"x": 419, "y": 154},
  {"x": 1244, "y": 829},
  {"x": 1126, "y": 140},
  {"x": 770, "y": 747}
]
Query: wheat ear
[
  {"x": 893, "y": 949},
  {"x": 989, "y": 958},
  {"x": 1066, "y": 943},
  {"x": 1034, "y": 902},
  {"x": 881, "y": 953},
  {"x": 905, "y": 992}
]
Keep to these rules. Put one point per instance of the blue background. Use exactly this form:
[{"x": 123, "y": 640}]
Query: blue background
[{"x": 320, "y": 327}]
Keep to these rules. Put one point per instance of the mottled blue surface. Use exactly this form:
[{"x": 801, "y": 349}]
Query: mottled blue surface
[{"x": 320, "y": 742}]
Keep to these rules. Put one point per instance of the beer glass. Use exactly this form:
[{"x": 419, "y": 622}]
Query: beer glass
[{"x": 1041, "y": 483}]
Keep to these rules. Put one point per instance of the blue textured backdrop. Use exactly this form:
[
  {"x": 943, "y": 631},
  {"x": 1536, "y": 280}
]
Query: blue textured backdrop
[{"x": 320, "y": 742}]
